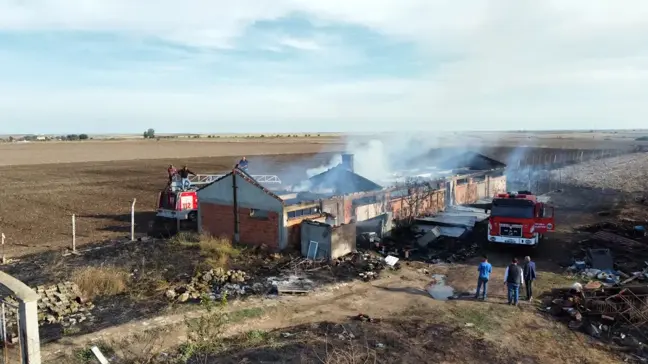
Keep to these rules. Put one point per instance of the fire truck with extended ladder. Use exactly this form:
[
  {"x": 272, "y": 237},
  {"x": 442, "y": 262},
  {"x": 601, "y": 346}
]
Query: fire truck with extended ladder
[
  {"x": 519, "y": 218},
  {"x": 178, "y": 203}
]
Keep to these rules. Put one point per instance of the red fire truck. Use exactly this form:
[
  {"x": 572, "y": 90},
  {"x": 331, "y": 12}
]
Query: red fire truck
[
  {"x": 519, "y": 218},
  {"x": 178, "y": 204}
]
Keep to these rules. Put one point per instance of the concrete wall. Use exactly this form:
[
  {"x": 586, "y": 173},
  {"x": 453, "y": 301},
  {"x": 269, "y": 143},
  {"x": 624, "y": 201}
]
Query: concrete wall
[
  {"x": 333, "y": 242},
  {"x": 471, "y": 189},
  {"x": 294, "y": 229},
  {"x": 369, "y": 211},
  {"x": 497, "y": 185},
  {"x": 28, "y": 316},
  {"x": 465, "y": 192},
  {"x": 335, "y": 207},
  {"x": 343, "y": 240}
]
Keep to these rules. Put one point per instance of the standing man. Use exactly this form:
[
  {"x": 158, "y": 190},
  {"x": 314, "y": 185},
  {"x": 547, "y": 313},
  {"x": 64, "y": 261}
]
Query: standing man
[
  {"x": 243, "y": 164},
  {"x": 484, "y": 269},
  {"x": 529, "y": 276},
  {"x": 513, "y": 278},
  {"x": 184, "y": 176},
  {"x": 172, "y": 173}
]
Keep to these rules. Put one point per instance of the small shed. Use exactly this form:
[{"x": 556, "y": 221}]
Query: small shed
[{"x": 325, "y": 241}]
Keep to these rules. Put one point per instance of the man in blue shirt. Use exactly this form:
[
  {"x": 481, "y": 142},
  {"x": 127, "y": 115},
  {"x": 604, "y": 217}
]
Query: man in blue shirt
[
  {"x": 484, "y": 270},
  {"x": 243, "y": 164},
  {"x": 529, "y": 271}
]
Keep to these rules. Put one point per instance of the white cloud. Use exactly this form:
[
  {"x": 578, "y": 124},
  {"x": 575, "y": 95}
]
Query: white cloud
[
  {"x": 302, "y": 44},
  {"x": 514, "y": 63}
]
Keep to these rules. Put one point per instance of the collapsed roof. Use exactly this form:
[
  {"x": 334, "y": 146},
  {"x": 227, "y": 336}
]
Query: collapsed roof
[{"x": 472, "y": 161}]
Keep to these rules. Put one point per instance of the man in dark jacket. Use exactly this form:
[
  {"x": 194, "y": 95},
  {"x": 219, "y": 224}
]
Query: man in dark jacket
[
  {"x": 513, "y": 278},
  {"x": 184, "y": 176},
  {"x": 529, "y": 276}
]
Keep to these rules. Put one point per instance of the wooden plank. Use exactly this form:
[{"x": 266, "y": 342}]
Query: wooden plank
[
  {"x": 102, "y": 359},
  {"x": 293, "y": 289}
]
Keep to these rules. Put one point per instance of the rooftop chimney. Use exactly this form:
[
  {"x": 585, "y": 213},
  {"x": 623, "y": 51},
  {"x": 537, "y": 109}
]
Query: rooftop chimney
[{"x": 347, "y": 161}]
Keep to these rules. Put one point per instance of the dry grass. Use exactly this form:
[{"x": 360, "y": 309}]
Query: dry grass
[
  {"x": 101, "y": 281},
  {"x": 217, "y": 251}
]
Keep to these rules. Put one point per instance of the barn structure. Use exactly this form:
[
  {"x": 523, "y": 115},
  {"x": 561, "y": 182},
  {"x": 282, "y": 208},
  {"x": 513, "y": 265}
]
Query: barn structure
[{"x": 239, "y": 207}]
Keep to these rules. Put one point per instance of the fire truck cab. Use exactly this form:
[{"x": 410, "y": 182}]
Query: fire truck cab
[{"x": 520, "y": 219}]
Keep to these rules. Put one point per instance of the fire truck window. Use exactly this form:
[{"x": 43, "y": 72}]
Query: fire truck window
[{"x": 523, "y": 212}]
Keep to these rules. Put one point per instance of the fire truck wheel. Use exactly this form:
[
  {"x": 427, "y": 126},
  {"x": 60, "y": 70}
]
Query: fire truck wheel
[{"x": 193, "y": 216}]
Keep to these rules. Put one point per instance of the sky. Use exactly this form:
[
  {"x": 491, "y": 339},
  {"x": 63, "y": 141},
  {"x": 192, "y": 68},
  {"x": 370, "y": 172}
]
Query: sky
[{"x": 214, "y": 66}]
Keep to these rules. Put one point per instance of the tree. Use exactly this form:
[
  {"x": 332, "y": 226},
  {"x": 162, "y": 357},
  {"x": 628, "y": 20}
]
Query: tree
[
  {"x": 149, "y": 134},
  {"x": 416, "y": 197},
  {"x": 72, "y": 137},
  {"x": 83, "y": 136}
]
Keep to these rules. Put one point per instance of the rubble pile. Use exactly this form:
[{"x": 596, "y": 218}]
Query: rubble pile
[
  {"x": 60, "y": 303},
  {"x": 63, "y": 303},
  {"x": 214, "y": 283},
  {"x": 617, "y": 314},
  {"x": 442, "y": 249},
  {"x": 367, "y": 266},
  {"x": 451, "y": 250},
  {"x": 625, "y": 243}
]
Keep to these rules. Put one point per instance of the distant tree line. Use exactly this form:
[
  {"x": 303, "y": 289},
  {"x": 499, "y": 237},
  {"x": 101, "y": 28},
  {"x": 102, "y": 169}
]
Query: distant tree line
[
  {"x": 42, "y": 138},
  {"x": 150, "y": 134}
]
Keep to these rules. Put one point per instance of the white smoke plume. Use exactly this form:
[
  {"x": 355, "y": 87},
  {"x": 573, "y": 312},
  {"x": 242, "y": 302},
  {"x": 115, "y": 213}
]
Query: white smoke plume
[{"x": 335, "y": 160}]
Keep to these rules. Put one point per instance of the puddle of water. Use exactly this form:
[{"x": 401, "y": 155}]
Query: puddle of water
[{"x": 438, "y": 289}]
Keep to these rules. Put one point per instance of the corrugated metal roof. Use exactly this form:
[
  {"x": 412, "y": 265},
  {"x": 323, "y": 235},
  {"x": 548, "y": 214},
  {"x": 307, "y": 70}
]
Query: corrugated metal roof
[{"x": 248, "y": 178}]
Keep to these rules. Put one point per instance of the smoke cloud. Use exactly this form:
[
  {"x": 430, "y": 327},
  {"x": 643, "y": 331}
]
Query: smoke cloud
[{"x": 335, "y": 160}]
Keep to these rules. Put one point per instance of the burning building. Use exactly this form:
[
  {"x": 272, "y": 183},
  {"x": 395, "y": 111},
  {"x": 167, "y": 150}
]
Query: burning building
[{"x": 238, "y": 206}]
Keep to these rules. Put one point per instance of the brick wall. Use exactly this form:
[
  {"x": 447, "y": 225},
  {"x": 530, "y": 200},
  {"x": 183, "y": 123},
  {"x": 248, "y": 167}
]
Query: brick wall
[
  {"x": 218, "y": 220},
  {"x": 429, "y": 203}
]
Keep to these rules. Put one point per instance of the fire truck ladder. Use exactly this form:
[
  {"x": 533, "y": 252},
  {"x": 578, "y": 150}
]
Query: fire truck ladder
[{"x": 203, "y": 179}]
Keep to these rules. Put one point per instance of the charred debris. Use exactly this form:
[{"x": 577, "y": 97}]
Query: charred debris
[
  {"x": 445, "y": 237},
  {"x": 612, "y": 302}
]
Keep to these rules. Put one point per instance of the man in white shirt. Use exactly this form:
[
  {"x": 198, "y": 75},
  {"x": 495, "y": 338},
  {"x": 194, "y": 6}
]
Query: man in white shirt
[{"x": 513, "y": 278}]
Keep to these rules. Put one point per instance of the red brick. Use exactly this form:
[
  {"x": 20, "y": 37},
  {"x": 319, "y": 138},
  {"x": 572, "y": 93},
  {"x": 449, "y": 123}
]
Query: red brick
[{"x": 218, "y": 220}]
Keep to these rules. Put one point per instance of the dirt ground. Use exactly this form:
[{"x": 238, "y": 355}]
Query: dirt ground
[
  {"x": 38, "y": 201},
  {"x": 15, "y": 154},
  {"x": 411, "y": 326}
]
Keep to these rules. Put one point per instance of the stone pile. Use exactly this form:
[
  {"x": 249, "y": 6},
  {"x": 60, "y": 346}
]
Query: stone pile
[
  {"x": 59, "y": 303},
  {"x": 209, "y": 283}
]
